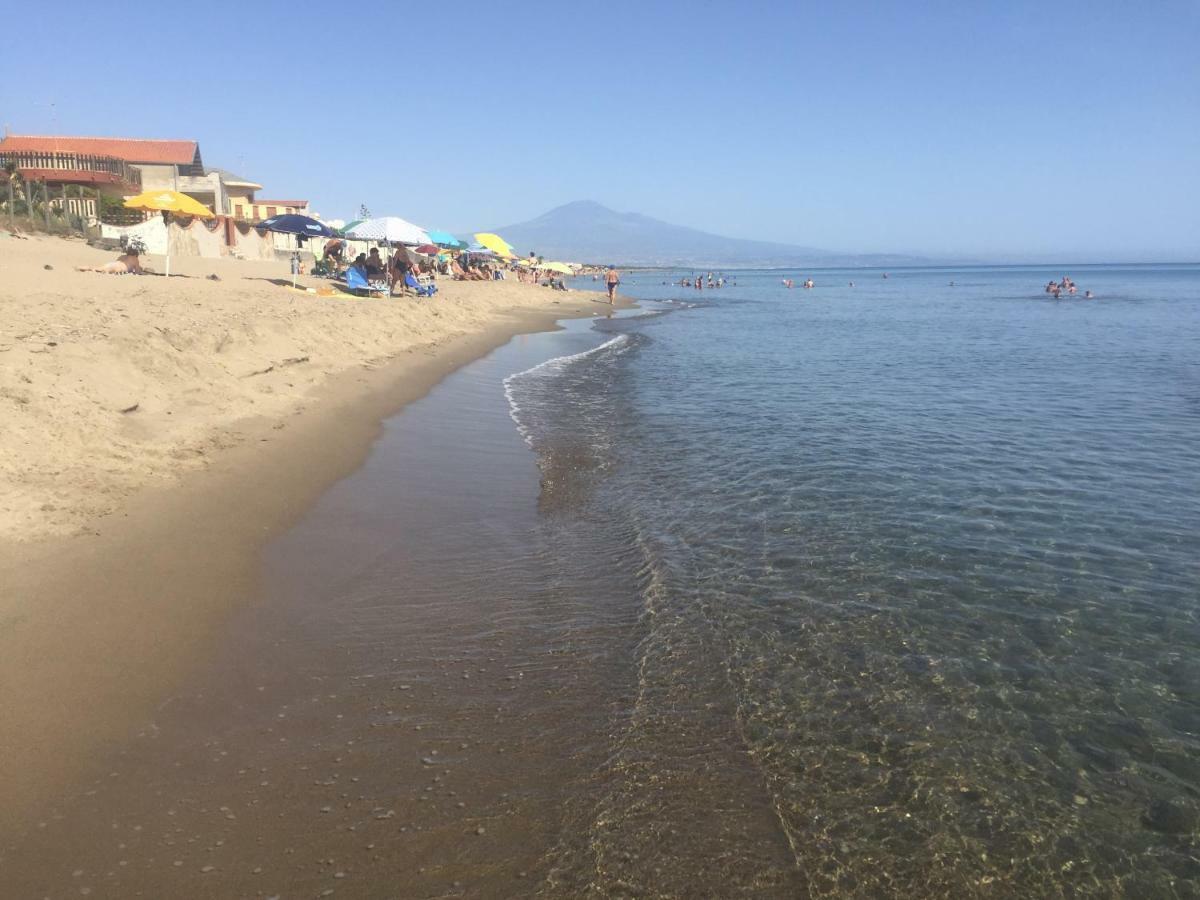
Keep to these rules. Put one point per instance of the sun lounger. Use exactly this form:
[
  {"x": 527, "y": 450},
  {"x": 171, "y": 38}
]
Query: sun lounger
[
  {"x": 356, "y": 281},
  {"x": 423, "y": 290}
]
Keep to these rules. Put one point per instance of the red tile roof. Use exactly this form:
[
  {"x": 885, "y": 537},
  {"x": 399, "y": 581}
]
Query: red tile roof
[
  {"x": 139, "y": 150},
  {"x": 281, "y": 203}
]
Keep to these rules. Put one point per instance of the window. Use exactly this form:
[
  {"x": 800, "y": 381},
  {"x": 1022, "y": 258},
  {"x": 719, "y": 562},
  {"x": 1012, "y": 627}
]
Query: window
[
  {"x": 270, "y": 211},
  {"x": 239, "y": 211}
]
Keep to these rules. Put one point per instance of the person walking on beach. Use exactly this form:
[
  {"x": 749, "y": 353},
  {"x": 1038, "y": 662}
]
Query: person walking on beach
[{"x": 612, "y": 279}]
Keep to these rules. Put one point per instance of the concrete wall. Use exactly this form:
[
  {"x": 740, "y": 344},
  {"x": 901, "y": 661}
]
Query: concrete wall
[
  {"x": 208, "y": 189},
  {"x": 152, "y": 232},
  {"x": 197, "y": 239},
  {"x": 157, "y": 178},
  {"x": 252, "y": 245}
]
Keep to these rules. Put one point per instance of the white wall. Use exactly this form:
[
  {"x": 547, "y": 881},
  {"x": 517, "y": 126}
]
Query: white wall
[{"x": 152, "y": 232}]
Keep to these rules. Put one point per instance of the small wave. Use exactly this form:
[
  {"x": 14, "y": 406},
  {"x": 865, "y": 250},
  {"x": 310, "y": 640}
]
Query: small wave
[{"x": 552, "y": 366}]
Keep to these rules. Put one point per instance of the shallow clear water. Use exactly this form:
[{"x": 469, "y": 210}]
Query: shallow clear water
[
  {"x": 862, "y": 592},
  {"x": 919, "y": 581}
]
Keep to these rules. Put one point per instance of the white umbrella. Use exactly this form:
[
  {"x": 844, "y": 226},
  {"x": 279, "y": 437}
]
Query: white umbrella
[{"x": 392, "y": 229}]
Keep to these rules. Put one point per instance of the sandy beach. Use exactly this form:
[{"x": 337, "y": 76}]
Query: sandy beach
[
  {"x": 110, "y": 383},
  {"x": 158, "y": 433}
]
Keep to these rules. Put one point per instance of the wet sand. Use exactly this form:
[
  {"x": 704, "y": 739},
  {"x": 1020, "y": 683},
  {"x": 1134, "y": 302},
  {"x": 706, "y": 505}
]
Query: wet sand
[
  {"x": 430, "y": 678},
  {"x": 99, "y": 632},
  {"x": 395, "y": 716}
]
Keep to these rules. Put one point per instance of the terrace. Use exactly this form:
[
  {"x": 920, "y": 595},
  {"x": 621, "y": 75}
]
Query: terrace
[{"x": 73, "y": 168}]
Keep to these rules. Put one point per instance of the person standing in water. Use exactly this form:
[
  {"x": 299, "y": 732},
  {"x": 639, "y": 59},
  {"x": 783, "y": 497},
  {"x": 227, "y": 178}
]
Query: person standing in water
[{"x": 612, "y": 279}]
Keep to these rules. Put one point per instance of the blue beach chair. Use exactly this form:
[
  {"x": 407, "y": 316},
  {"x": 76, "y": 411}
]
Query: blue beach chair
[
  {"x": 427, "y": 290},
  {"x": 356, "y": 281}
]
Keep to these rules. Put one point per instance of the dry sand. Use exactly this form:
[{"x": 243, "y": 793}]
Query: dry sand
[
  {"x": 127, "y": 538},
  {"x": 109, "y": 383}
]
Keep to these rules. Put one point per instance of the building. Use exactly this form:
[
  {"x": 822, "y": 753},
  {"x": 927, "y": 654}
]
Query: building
[
  {"x": 239, "y": 193},
  {"x": 257, "y": 210},
  {"x": 91, "y": 169},
  {"x": 118, "y": 168}
]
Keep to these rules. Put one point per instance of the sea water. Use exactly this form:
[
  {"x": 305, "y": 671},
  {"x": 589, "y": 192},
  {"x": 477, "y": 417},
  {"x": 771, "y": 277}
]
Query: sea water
[{"x": 918, "y": 576}]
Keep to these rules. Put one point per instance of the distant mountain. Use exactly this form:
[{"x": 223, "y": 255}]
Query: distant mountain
[{"x": 586, "y": 231}]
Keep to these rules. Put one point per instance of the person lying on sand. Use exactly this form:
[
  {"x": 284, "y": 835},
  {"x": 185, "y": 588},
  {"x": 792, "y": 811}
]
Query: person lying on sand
[{"x": 126, "y": 264}]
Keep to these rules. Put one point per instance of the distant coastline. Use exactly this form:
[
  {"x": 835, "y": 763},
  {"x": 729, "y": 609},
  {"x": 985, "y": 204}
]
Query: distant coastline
[{"x": 923, "y": 267}]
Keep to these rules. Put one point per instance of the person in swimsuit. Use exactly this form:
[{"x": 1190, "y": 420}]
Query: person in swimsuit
[
  {"x": 127, "y": 263},
  {"x": 612, "y": 279},
  {"x": 375, "y": 265}
]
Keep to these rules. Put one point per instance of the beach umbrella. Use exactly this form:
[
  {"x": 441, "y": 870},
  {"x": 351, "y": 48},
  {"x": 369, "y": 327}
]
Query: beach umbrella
[
  {"x": 428, "y": 249},
  {"x": 301, "y": 226},
  {"x": 297, "y": 224},
  {"x": 391, "y": 229},
  {"x": 496, "y": 244},
  {"x": 169, "y": 201},
  {"x": 561, "y": 268},
  {"x": 446, "y": 239}
]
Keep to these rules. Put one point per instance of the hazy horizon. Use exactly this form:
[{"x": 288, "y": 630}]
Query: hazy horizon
[
  {"x": 919, "y": 261},
  {"x": 1016, "y": 132}
]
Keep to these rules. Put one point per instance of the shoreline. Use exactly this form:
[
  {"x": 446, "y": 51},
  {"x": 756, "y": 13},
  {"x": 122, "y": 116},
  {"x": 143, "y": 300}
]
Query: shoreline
[{"x": 91, "y": 631}]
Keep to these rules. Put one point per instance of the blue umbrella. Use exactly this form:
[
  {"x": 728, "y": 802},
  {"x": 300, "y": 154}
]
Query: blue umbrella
[
  {"x": 295, "y": 224},
  {"x": 445, "y": 239},
  {"x": 301, "y": 226}
]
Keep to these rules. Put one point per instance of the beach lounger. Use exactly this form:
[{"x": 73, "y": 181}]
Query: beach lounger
[
  {"x": 356, "y": 281},
  {"x": 423, "y": 290}
]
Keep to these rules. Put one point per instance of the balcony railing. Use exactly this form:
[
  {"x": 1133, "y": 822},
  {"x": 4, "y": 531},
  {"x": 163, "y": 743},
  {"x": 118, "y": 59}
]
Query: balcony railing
[{"x": 118, "y": 169}]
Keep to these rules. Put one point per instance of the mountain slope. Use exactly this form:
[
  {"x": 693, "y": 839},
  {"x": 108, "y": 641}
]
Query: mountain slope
[{"x": 587, "y": 231}]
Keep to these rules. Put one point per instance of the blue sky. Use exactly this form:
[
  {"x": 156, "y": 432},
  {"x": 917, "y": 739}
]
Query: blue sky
[{"x": 1006, "y": 130}]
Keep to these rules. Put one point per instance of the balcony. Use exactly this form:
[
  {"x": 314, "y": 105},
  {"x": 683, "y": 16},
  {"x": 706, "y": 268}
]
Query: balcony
[{"x": 74, "y": 168}]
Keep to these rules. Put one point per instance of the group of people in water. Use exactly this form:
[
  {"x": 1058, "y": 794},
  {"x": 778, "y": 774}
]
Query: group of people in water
[
  {"x": 710, "y": 280},
  {"x": 1066, "y": 286},
  {"x": 807, "y": 283}
]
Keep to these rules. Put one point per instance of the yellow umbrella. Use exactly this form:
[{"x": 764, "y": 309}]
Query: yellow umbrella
[
  {"x": 169, "y": 201},
  {"x": 496, "y": 244}
]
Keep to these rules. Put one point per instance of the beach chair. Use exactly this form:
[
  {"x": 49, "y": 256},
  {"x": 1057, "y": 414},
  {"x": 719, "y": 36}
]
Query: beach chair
[
  {"x": 356, "y": 281},
  {"x": 423, "y": 290}
]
